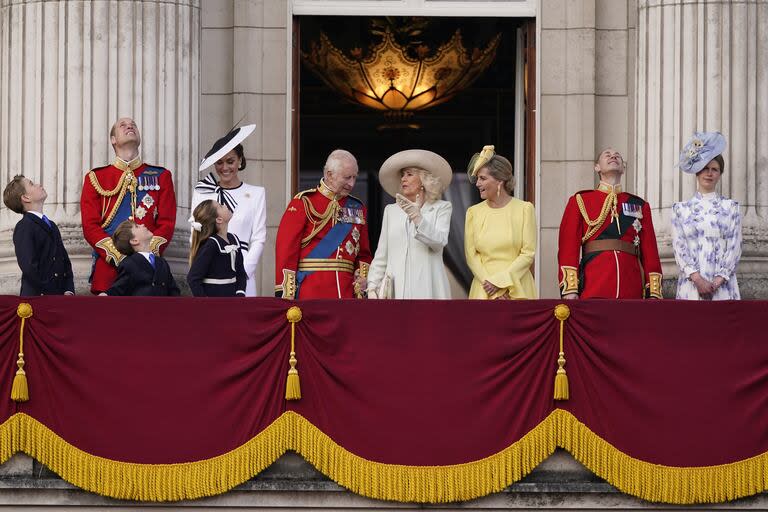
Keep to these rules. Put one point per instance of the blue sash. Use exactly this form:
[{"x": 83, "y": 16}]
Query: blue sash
[
  {"x": 124, "y": 210},
  {"x": 329, "y": 243}
]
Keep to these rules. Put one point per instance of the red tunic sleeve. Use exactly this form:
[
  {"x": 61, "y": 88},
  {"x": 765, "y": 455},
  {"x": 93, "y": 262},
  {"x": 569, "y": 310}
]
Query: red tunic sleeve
[
  {"x": 569, "y": 248},
  {"x": 288, "y": 248},
  {"x": 649, "y": 254}
]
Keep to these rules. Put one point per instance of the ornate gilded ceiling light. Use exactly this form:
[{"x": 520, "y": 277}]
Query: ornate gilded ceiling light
[{"x": 391, "y": 79}]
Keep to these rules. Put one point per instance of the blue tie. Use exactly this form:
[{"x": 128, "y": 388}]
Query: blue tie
[
  {"x": 152, "y": 260},
  {"x": 47, "y": 221}
]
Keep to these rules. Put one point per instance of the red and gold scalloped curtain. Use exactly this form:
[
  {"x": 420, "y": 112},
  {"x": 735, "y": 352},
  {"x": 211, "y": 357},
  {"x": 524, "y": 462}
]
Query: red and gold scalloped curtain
[{"x": 420, "y": 401}]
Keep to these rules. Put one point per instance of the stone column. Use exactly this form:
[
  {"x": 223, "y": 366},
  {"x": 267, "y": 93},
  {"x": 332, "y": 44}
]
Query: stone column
[
  {"x": 567, "y": 116},
  {"x": 245, "y": 53},
  {"x": 68, "y": 70},
  {"x": 702, "y": 66}
]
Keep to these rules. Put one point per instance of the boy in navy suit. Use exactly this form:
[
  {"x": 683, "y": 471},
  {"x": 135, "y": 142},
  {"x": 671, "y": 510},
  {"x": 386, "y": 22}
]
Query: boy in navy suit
[
  {"x": 44, "y": 262},
  {"x": 140, "y": 272}
]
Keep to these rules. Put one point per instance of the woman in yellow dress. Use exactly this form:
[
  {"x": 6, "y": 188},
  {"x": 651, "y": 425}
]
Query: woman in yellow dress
[{"x": 500, "y": 232}]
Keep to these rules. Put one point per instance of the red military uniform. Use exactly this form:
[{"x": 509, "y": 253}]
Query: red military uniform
[
  {"x": 322, "y": 242},
  {"x": 607, "y": 246},
  {"x": 118, "y": 192}
]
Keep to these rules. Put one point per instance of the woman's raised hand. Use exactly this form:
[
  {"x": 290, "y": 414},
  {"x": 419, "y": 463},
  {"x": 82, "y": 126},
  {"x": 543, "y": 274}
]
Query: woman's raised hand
[{"x": 411, "y": 209}]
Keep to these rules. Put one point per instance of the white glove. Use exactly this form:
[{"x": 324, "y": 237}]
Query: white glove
[{"x": 411, "y": 209}]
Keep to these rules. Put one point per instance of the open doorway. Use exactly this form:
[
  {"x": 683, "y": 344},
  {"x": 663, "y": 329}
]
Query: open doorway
[{"x": 491, "y": 110}]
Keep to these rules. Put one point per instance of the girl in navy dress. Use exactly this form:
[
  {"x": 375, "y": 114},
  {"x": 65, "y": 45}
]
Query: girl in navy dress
[{"x": 216, "y": 263}]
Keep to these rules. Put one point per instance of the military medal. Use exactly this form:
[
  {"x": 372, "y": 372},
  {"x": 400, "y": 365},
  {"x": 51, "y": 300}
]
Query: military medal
[
  {"x": 632, "y": 210},
  {"x": 351, "y": 216}
]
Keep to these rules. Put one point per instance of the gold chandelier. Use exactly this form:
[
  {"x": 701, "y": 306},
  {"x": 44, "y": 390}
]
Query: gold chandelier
[{"x": 389, "y": 79}]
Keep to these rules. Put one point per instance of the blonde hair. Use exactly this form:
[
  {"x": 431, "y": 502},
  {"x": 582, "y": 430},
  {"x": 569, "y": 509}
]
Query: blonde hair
[
  {"x": 501, "y": 169},
  {"x": 205, "y": 213},
  {"x": 13, "y": 192},
  {"x": 432, "y": 186}
]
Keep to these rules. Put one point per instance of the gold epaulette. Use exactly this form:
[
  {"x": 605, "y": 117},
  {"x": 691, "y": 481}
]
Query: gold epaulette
[
  {"x": 111, "y": 252},
  {"x": 155, "y": 243},
  {"x": 304, "y": 192}
]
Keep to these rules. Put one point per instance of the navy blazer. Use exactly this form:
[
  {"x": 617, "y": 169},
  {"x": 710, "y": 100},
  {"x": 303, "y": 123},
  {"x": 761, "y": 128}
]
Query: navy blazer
[
  {"x": 135, "y": 276},
  {"x": 44, "y": 262}
]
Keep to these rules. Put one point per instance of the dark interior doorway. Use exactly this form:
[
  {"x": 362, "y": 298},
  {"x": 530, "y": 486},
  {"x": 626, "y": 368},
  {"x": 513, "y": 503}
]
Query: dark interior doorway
[{"x": 482, "y": 114}]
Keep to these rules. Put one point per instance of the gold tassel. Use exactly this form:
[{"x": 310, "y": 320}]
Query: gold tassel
[
  {"x": 20, "y": 388},
  {"x": 293, "y": 385},
  {"x": 562, "y": 312}
]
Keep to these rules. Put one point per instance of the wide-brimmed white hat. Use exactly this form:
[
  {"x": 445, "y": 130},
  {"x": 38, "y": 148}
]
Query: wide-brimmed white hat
[
  {"x": 226, "y": 144},
  {"x": 389, "y": 174}
]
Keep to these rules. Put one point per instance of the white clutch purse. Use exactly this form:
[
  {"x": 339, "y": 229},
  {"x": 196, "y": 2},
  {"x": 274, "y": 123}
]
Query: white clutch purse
[{"x": 385, "y": 291}]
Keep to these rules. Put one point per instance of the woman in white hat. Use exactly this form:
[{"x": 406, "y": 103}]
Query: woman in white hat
[
  {"x": 409, "y": 259},
  {"x": 706, "y": 229},
  {"x": 247, "y": 202},
  {"x": 500, "y": 232}
]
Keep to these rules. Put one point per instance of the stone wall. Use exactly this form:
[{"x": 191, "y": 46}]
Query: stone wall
[
  {"x": 587, "y": 103},
  {"x": 245, "y": 60},
  {"x": 68, "y": 70},
  {"x": 702, "y": 66}
]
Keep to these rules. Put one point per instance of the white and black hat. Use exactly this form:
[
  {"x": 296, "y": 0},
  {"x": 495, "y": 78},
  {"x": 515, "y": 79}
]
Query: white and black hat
[{"x": 226, "y": 144}]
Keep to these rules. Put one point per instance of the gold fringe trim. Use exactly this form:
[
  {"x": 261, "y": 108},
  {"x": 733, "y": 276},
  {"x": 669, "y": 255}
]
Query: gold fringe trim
[
  {"x": 422, "y": 484},
  {"x": 8, "y": 439},
  {"x": 655, "y": 482},
  {"x": 144, "y": 482}
]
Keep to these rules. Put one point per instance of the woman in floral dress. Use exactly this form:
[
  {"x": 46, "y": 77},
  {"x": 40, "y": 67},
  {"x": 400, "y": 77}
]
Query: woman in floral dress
[{"x": 706, "y": 229}]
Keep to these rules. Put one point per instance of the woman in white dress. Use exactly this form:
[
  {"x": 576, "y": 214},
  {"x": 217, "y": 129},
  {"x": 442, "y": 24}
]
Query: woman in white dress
[
  {"x": 706, "y": 229},
  {"x": 409, "y": 258},
  {"x": 247, "y": 202}
]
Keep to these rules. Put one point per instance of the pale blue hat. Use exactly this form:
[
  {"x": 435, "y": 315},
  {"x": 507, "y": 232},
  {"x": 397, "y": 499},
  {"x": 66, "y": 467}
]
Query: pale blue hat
[{"x": 700, "y": 150}]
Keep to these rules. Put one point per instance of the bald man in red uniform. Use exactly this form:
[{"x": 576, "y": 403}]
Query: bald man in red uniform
[
  {"x": 607, "y": 246},
  {"x": 322, "y": 249},
  {"x": 126, "y": 189}
]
